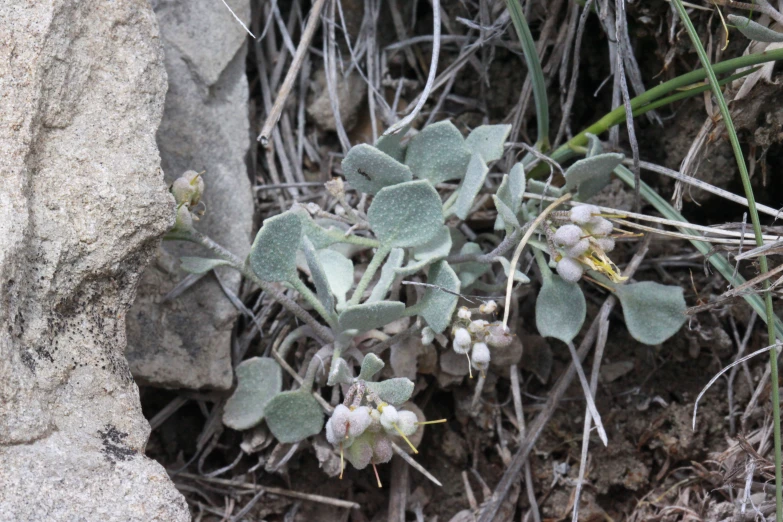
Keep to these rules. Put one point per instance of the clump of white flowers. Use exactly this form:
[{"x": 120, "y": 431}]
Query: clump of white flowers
[
  {"x": 474, "y": 337},
  {"x": 581, "y": 241}
]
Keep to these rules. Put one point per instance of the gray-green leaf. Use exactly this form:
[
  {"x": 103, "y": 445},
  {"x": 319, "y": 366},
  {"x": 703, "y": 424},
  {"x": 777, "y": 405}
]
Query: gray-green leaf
[
  {"x": 470, "y": 272},
  {"x": 510, "y": 192},
  {"x": 258, "y": 380},
  {"x": 754, "y": 30},
  {"x": 591, "y": 174},
  {"x": 406, "y": 215},
  {"x": 653, "y": 312},
  {"x": 594, "y": 147},
  {"x": 200, "y": 265},
  {"x": 368, "y": 169},
  {"x": 367, "y": 316},
  {"x": 470, "y": 186},
  {"x": 438, "y": 153},
  {"x": 488, "y": 140},
  {"x": 393, "y": 391},
  {"x": 437, "y": 306},
  {"x": 340, "y": 373},
  {"x": 371, "y": 364},
  {"x": 504, "y": 212},
  {"x": 293, "y": 416},
  {"x": 273, "y": 254},
  {"x": 339, "y": 272},
  {"x": 436, "y": 248},
  {"x": 560, "y": 309},
  {"x": 391, "y": 144}
]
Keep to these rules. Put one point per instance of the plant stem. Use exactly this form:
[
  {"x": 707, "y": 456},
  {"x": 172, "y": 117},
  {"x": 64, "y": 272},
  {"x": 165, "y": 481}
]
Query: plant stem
[
  {"x": 534, "y": 69},
  {"x": 292, "y": 337},
  {"x": 316, "y": 303},
  {"x": 323, "y": 333},
  {"x": 373, "y": 267},
  {"x": 763, "y": 267}
]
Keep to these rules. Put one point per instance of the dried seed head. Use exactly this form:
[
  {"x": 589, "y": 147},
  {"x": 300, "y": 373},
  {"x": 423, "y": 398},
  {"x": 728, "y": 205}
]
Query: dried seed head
[
  {"x": 570, "y": 269},
  {"x": 568, "y": 235},
  {"x": 480, "y": 356},
  {"x": 582, "y": 214}
]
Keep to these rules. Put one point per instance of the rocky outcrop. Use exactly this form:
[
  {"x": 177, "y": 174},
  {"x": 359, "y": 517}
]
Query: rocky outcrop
[
  {"x": 82, "y": 207},
  {"x": 185, "y": 342}
]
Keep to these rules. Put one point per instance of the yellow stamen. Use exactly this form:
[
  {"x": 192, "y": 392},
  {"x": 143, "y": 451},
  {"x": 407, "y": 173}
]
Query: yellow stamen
[
  {"x": 376, "y": 475},
  {"x": 406, "y": 439},
  {"x": 439, "y": 421}
]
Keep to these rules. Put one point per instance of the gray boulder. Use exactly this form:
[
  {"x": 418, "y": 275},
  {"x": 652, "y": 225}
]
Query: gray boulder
[
  {"x": 82, "y": 207},
  {"x": 185, "y": 342}
]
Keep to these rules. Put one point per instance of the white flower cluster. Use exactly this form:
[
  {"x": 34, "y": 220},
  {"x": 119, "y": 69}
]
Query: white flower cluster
[
  {"x": 364, "y": 433},
  {"x": 473, "y": 337},
  {"x": 587, "y": 233}
]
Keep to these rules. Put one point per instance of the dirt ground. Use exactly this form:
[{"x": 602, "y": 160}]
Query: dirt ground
[{"x": 655, "y": 466}]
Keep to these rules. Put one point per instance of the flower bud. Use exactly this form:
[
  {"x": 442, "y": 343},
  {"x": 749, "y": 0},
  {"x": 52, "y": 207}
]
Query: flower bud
[
  {"x": 480, "y": 356},
  {"x": 358, "y": 421},
  {"x": 605, "y": 243},
  {"x": 340, "y": 421},
  {"x": 462, "y": 340},
  {"x": 570, "y": 269},
  {"x": 582, "y": 214},
  {"x": 382, "y": 450},
  {"x": 360, "y": 453},
  {"x": 499, "y": 335},
  {"x": 488, "y": 308},
  {"x": 188, "y": 188},
  {"x": 389, "y": 417},
  {"x": 184, "y": 221},
  {"x": 464, "y": 313},
  {"x": 568, "y": 235},
  {"x": 600, "y": 227},
  {"x": 578, "y": 249},
  {"x": 407, "y": 422},
  {"x": 427, "y": 336},
  {"x": 375, "y": 421},
  {"x": 477, "y": 326}
]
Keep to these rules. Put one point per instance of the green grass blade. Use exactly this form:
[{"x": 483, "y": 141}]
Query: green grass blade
[
  {"x": 534, "y": 69},
  {"x": 763, "y": 266}
]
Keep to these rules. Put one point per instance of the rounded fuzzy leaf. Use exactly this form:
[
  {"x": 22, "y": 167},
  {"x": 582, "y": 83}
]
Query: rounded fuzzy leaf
[
  {"x": 438, "y": 153},
  {"x": 653, "y": 312},
  {"x": 200, "y": 265},
  {"x": 592, "y": 174},
  {"x": 392, "y": 391},
  {"x": 505, "y": 213},
  {"x": 470, "y": 272},
  {"x": 340, "y": 373},
  {"x": 754, "y": 30},
  {"x": 469, "y": 189},
  {"x": 406, "y": 215},
  {"x": 388, "y": 274},
  {"x": 293, "y": 416},
  {"x": 368, "y": 169},
  {"x": 437, "y": 306},
  {"x": 510, "y": 192},
  {"x": 367, "y": 316},
  {"x": 371, "y": 364},
  {"x": 258, "y": 380},
  {"x": 488, "y": 140},
  {"x": 560, "y": 309},
  {"x": 273, "y": 254},
  {"x": 594, "y": 147},
  {"x": 436, "y": 248},
  {"x": 339, "y": 272}
]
